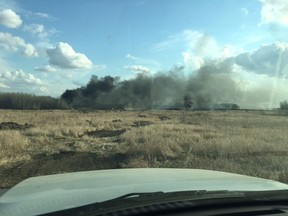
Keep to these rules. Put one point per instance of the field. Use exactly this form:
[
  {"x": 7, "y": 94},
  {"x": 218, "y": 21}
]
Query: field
[{"x": 48, "y": 142}]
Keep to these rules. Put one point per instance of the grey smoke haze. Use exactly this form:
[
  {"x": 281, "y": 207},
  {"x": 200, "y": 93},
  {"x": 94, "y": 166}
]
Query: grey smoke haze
[
  {"x": 213, "y": 84},
  {"x": 268, "y": 59},
  {"x": 251, "y": 80},
  {"x": 162, "y": 90}
]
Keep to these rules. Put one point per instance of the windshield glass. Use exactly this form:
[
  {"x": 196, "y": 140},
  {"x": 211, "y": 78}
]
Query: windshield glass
[{"x": 110, "y": 84}]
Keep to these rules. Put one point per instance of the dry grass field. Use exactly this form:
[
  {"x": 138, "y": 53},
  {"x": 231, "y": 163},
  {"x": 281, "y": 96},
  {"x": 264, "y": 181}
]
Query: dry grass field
[{"x": 47, "y": 142}]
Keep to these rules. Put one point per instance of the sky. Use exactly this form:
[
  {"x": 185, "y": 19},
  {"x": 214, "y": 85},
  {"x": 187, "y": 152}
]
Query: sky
[{"x": 47, "y": 47}]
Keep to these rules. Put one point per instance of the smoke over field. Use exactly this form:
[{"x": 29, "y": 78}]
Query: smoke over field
[
  {"x": 209, "y": 85},
  {"x": 250, "y": 80}
]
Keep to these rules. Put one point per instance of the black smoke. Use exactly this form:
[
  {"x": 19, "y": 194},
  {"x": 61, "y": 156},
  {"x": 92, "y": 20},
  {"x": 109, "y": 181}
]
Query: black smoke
[{"x": 165, "y": 90}]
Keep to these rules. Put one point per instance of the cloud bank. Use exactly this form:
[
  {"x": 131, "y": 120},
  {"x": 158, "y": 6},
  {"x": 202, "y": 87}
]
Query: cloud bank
[
  {"x": 274, "y": 12},
  {"x": 10, "y": 19},
  {"x": 16, "y": 44},
  {"x": 64, "y": 56},
  {"x": 270, "y": 59},
  {"x": 138, "y": 68},
  {"x": 20, "y": 81},
  {"x": 46, "y": 68}
]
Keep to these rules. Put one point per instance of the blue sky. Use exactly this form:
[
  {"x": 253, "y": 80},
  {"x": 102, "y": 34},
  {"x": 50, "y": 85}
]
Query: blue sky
[{"x": 49, "y": 46}]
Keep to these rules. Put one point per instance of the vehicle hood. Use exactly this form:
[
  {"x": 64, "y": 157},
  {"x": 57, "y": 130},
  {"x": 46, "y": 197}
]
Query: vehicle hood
[{"x": 38, "y": 195}]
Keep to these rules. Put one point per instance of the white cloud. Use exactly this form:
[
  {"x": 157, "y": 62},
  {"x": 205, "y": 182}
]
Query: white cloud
[
  {"x": 197, "y": 48},
  {"x": 269, "y": 60},
  {"x": 16, "y": 44},
  {"x": 67, "y": 76},
  {"x": 193, "y": 45},
  {"x": 34, "y": 28},
  {"x": 10, "y": 19},
  {"x": 5, "y": 64},
  {"x": 19, "y": 81},
  {"x": 64, "y": 56},
  {"x": 191, "y": 61},
  {"x": 43, "y": 15},
  {"x": 197, "y": 42},
  {"x": 200, "y": 44},
  {"x": 274, "y": 11},
  {"x": 19, "y": 77},
  {"x": 169, "y": 42},
  {"x": 138, "y": 68},
  {"x": 129, "y": 56},
  {"x": 155, "y": 65},
  {"x": 229, "y": 51},
  {"x": 46, "y": 68},
  {"x": 42, "y": 34},
  {"x": 100, "y": 67},
  {"x": 3, "y": 86},
  {"x": 39, "y": 31}
]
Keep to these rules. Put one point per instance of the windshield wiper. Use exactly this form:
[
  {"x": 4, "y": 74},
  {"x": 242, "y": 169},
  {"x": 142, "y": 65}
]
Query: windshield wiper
[
  {"x": 153, "y": 201},
  {"x": 148, "y": 198},
  {"x": 182, "y": 195}
]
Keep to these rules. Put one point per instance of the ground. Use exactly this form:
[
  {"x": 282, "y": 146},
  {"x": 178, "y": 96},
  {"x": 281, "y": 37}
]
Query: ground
[{"x": 34, "y": 143}]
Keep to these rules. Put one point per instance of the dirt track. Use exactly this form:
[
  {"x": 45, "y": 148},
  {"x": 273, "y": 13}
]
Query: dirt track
[
  {"x": 57, "y": 163},
  {"x": 67, "y": 158}
]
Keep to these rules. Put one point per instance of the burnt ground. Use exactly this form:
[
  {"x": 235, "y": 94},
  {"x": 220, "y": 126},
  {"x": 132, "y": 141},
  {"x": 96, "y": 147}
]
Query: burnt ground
[
  {"x": 141, "y": 123},
  {"x": 105, "y": 133}
]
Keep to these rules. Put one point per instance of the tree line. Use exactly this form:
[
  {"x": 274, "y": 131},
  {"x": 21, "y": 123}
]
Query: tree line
[{"x": 23, "y": 101}]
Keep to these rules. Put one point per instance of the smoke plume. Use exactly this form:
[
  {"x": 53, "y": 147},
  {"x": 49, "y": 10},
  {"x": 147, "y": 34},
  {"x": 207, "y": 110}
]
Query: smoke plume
[
  {"x": 166, "y": 90},
  {"x": 251, "y": 80}
]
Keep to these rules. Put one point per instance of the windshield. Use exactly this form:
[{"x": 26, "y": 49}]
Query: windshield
[{"x": 110, "y": 84}]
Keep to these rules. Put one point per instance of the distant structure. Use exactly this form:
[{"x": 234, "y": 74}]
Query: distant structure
[
  {"x": 188, "y": 103},
  {"x": 220, "y": 106},
  {"x": 225, "y": 106}
]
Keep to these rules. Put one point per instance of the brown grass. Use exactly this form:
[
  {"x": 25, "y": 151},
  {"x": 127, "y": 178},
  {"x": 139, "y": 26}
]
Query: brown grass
[
  {"x": 12, "y": 146},
  {"x": 252, "y": 143}
]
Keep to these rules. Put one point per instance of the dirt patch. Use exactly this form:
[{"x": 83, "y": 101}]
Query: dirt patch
[
  {"x": 14, "y": 126},
  {"x": 142, "y": 116},
  {"x": 62, "y": 162},
  {"x": 116, "y": 120},
  {"x": 105, "y": 133},
  {"x": 164, "y": 118},
  {"x": 141, "y": 123}
]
